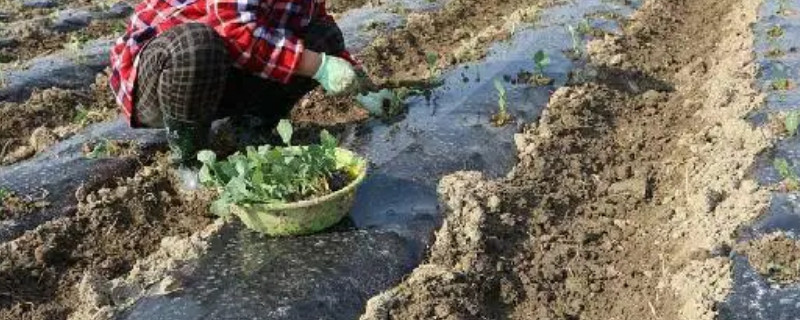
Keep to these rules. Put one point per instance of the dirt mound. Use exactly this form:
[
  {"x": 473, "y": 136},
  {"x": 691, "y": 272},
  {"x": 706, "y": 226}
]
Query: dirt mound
[
  {"x": 49, "y": 116},
  {"x": 620, "y": 201},
  {"x": 113, "y": 229},
  {"x": 775, "y": 256},
  {"x": 459, "y": 32}
]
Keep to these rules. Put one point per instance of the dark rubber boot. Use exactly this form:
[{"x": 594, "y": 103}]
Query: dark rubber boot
[{"x": 185, "y": 139}]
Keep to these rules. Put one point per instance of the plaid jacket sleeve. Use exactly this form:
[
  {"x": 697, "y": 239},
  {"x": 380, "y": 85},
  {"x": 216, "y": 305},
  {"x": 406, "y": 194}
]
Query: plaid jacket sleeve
[{"x": 261, "y": 40}]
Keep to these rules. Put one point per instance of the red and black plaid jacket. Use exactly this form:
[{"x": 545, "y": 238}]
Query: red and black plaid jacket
[{"x": 263, "y": 36}]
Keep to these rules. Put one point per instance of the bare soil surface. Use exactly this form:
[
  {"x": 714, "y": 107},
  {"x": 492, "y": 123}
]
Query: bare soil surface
[
  {"x": 775, "y": 256},
  {"x": 339, "y": 6},
  {"x": 621, "y": 200},
  {"x": 44, "y": 273},
  {"x": 459, "y": 32},
  {"x": 49, "y": 116},
  {"x": 616, "y": 210}
]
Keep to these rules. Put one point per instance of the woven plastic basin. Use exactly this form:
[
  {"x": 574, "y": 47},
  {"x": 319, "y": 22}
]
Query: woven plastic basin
[{"x": 309, "y": 216}]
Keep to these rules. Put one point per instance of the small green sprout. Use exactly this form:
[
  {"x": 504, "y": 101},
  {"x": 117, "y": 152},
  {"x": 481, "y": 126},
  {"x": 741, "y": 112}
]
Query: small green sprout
[
  {"x": 285, "y": 130},
  {"x": 118, "y": 27},
  {"x": 431, "y": 58},
  {"x": 502, "y": 117},
  {"x": 781, "y": 84},
  {"x": 790, "y": 180},
  {"x": 100, "y": 150},
  {"x": 106, "y": 148},
  {"x": 791, "y": 122},
  {"x": 542, "y": 60},
  {"x": 76, "y": 41},
  {"x": 584, "y": 28},
  {"x": 775, "y": 32},
  {"x": 775, "y": 53},
  {"x": 75, "y": 45},
  {"x": 81, "y": 115},
  {"x": 576, "y": 42},
  {"x": 4, "y": 194}
]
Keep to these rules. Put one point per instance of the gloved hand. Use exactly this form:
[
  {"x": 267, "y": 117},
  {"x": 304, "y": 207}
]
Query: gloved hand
[
  {"x": 336, "y": 76},
  {"x": 374, "y": 101}
]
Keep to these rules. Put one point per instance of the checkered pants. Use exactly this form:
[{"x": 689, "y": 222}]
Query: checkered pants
[{"x": 186, "y": 74}]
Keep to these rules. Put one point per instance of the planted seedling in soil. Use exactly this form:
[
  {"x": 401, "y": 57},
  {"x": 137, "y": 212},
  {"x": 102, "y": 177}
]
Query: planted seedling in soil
[
  {"x": 4, "y": 194},
  {"x": 432, "y": 59},
  {"x": 781, "y": 84},
  {"x": 502, "y": 117},
  {"x": 576, "y": 52},
  {"x": 775, "y": 32},
  {"x": 789, "y": 180},
  {"x": 773, "y": 35},
  {"x": 106, "y": 148},
  {"x": 584, "y": 28},
  {"x": 791, "y": 122},
  {"x": 269, "y": 175},
  {"x": 542, "y": 60}
]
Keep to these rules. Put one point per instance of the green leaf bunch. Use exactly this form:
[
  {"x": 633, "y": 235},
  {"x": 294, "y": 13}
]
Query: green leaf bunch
[{"x": 269, "y": 174}]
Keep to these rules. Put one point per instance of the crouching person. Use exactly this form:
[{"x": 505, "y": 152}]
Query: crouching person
[{"x": 183, "y": 64}]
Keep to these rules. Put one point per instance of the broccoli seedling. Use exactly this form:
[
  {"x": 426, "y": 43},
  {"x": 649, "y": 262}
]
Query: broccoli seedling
[
  {"x": 577, "y": 52},
  {"x": 775, "y": 32},
  {"x": 775, "y": 53},
  {"x": 781, "y": 84},
  {"x": 542, "y": 60},
  {"x": 502, "y": 117},
  {"x": 4, "y": 193},
  {"x": 789, "y": 178},
  {"x": 431, "y": 58},
  {"x": 791, "y": 122}
]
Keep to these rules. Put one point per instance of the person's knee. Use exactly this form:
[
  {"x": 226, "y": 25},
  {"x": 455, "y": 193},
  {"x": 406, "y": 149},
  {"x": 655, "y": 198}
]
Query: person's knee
[{"x": 199, "y": 44}]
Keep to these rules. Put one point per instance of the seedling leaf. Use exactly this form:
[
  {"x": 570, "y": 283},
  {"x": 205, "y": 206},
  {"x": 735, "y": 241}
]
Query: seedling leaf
[
  {"x": 431, "y": 58},
  {"x": 792, "y": 121},
  {"x": 285, "y": 131},
  {"x": 782, "y": 166},
  {"x": 206, "y": 157}
]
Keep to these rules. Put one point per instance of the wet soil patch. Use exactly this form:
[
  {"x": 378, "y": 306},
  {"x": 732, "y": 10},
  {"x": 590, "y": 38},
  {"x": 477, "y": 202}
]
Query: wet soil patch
[{"x": 113, "y": 228}]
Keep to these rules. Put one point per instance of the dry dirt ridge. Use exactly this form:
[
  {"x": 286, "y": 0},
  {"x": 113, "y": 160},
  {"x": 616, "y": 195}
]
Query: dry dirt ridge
[{"x": 627, "y": 191}]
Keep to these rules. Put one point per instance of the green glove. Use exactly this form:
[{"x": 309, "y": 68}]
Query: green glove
[
  {"x": 336, "y": 75},
  {"x": 374, "y": 101}
]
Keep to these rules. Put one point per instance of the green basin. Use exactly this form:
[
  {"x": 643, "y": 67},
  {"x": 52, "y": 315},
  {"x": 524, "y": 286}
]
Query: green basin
[{"x": 309, "y": 216}]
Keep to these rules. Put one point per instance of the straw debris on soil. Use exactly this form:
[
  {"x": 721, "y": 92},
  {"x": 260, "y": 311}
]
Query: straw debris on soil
[{"x": 620, "y": 197}]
